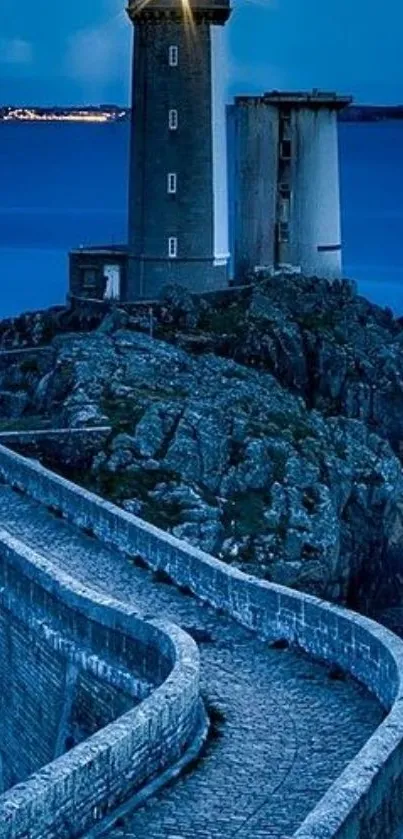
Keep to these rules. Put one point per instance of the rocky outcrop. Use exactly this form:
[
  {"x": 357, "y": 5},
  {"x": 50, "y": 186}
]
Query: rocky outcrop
[
  {"x": 257, "y": 425},
  {"x": 224, "y": 456},
  {"x": 320, "y": 339}
]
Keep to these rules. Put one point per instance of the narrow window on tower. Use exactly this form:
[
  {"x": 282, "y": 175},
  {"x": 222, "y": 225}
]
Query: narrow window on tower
[
  {"x": 173, "y": 56},
  {"x": 284, "y": 232},
  {"x": 284, "y": 207},
  {"x": 172, "y": 247},
  {"x": 172, "y": 183},
  {"x": 285, "y": 149},
  {"x": 173, "y": 119}
]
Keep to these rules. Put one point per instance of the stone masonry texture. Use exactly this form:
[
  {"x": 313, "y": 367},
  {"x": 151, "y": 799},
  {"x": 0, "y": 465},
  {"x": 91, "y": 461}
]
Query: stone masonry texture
[
  {"x": 287, "y": 728},
  {"x": 74, "y": 665},
  {"x": 366, "y": 799}
]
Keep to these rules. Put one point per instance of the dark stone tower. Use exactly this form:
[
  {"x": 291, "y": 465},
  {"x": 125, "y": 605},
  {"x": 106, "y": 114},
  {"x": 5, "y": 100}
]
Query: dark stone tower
[{"x": 178, "y": 215}]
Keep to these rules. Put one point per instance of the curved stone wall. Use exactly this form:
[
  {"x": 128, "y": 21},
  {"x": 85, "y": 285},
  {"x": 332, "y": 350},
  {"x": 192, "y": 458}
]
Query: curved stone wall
[
  {"x": 367, "y": 799},
  {"x": 55, "y": 690},
  {"x": 107, "y": 642}
]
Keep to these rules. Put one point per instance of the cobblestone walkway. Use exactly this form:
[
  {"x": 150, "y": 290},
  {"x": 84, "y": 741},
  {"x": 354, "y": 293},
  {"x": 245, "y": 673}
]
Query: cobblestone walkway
[{"x": 287, "y": 729}]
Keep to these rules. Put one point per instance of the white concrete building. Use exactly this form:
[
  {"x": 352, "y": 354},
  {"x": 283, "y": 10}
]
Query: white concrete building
[{"x": 287, "y": 190}]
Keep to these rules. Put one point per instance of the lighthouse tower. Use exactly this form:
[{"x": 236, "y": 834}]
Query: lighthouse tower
[{"x": 178, "y": 213}]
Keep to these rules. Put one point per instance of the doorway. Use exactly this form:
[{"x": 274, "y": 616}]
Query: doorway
[{"x": 112, "y": 286}]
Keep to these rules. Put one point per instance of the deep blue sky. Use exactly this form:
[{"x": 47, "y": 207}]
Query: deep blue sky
[{"x": 75, "y": 51}]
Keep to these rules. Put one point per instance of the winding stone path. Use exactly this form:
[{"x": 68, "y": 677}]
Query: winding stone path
[{"x": 285, "y": 730}]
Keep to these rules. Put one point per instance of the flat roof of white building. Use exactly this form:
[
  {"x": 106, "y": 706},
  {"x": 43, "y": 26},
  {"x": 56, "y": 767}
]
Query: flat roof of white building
[{"x": 298, "y": 99}]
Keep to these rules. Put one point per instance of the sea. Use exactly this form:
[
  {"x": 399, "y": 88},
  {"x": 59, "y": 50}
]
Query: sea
[{"x": 65, "y": 185}]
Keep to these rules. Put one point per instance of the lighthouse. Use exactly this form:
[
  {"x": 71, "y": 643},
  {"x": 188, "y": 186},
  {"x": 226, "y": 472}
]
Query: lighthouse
[{"x": 178, "y": 205}]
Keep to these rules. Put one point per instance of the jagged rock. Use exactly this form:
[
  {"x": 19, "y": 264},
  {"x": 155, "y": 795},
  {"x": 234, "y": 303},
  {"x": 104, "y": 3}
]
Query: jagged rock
[
  {"x": 199, "y": 451},
  {"x": 182, "y": 307},
  {"x": 255, "y": 470},
  {"x": 40, "y": 397},
  {"x": 155, "y": 428},
  {"x": 191, "y": 506},
  {"x": 271, "y": 338},
  {"x": 99, "y": 462},
  {"x": 204, "y": 535},
  {"x": 123, "y": 441},
  {"x": 114, "y": 320},
  {"x": 291, "y": 495},
  {"x": 120, "y": 460},
  {"x": 133, "y": 506},
  {"x": 281, "y": 463}
]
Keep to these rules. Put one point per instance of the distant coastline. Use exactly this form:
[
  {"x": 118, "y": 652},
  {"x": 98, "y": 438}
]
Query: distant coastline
[
  {"x": 116, "y": 113},
  {"x": 90, "y": 113},
  {"x": 371, "y": 113}
]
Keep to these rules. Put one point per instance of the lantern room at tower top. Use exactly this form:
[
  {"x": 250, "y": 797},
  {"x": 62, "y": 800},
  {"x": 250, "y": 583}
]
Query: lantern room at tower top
[{"x": 217, "y": 11}]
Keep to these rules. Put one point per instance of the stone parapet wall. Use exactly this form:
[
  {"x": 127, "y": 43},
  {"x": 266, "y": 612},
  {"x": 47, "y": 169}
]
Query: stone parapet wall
[
  {"x": 367, "y": 799},
  {"x": 62, "y": 691},
  {"x": 105, "y": 639}
]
